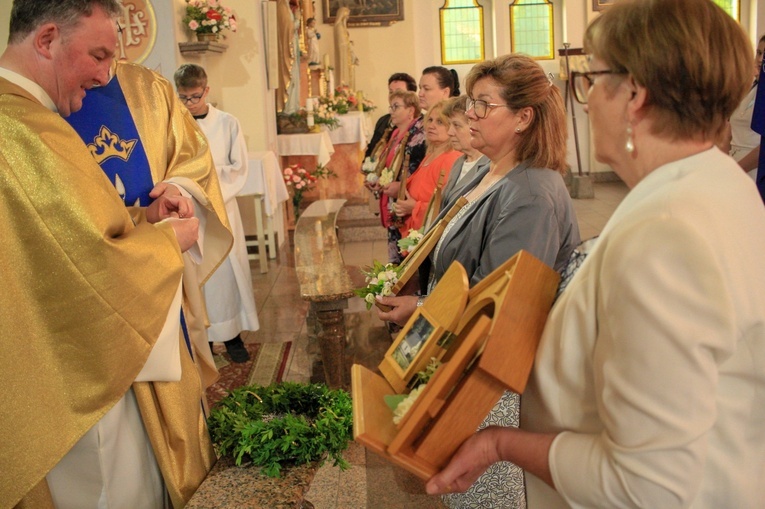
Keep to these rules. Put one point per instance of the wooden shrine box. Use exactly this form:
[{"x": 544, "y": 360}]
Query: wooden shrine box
[{"x": 496, "y": 329}]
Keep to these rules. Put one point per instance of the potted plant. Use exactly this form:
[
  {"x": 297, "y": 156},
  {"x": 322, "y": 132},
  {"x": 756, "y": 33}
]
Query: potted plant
[{"x": 208, "y": 18}]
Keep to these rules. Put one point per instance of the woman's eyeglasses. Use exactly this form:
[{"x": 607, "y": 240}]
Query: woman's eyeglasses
[
  {"x": 581, "y": 82},
  {"x": 480, "y": 107},
  {"x": 394, "y": 107}
]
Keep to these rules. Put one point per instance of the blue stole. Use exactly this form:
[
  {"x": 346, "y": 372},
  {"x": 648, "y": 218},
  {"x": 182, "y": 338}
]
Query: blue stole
[
  {"x": 758, "y": 126},
  {"x": 107, "y": 127}
]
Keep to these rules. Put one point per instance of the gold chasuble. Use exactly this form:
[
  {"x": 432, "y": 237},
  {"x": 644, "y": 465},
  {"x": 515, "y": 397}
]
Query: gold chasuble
[
  {"x": 85, "y": 292},
  {"x": 177, "y": 152}
]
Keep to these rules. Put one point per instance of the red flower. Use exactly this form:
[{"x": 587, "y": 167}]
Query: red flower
[{"x": 212, "y": 14}]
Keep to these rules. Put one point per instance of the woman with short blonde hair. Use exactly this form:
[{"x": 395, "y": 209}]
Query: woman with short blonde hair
[{"x": 648, "y": 386}]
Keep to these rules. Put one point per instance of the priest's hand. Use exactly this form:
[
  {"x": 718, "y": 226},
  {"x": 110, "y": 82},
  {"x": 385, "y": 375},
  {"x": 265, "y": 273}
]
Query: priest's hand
[
  {"x": 186, "y": 231},
  {"x": 404, "y": 207},
  {"x": 168, "y": 202},
  {"x": 403, "y": 308}
]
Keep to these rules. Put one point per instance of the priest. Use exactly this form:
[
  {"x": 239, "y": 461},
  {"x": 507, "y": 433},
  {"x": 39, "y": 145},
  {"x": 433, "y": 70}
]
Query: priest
[{"x": 89, "y": 292}]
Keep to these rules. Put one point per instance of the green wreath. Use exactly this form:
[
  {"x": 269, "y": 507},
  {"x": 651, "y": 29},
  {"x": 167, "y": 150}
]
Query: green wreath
[{"x": 283, "y": 424}]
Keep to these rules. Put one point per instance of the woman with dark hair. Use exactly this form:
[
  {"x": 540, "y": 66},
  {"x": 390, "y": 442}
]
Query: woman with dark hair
[
  {"x": 648, "y": 387},
  {"x": 436, "y": 84}
]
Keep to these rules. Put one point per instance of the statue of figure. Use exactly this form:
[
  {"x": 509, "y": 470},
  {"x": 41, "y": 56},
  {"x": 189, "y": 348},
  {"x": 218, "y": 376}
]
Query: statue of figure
[
  {"x": 288, "y": 23},
  {"x": 342, "y": 48},
  {"x": 313, "y": 43},
  {"x": 286, "y": 52},
  {"x": 352, "y": 68}
]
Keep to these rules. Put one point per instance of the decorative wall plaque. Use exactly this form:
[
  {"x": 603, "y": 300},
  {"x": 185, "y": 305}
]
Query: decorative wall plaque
[{"x": 138, "y": 30}]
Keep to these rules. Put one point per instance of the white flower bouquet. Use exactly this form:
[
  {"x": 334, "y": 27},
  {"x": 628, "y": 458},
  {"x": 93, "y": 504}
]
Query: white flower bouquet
[
  {"x": 408, "y": 243},
  {"x": 380, "y": 280}
]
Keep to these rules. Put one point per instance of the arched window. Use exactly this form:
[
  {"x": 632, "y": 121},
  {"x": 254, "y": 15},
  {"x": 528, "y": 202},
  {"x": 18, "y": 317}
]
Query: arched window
[
  {"x": 531, "y": 28},
  {"x": 461, "y": 32},
  {"x": 732, "y": 7}
]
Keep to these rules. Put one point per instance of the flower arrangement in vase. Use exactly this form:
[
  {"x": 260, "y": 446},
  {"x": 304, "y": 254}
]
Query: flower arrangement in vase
[
  {"x": 345, "y": 100},
  {"x": 300, "y": 181},
  {"x": 208, "y": 18}
]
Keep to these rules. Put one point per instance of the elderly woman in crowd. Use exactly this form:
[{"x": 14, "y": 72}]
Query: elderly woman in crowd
[
  {"x": 433, "y": 171},
  {"x": 401, "y": 149},
  {"x": 518, "y": 121},
  {"x": 471, "y": 162},
  {"x": 648, "y": 388}
]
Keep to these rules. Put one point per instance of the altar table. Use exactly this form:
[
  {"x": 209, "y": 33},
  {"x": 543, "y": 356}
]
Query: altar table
[
  {"x": 318, "y": 145},
  {"x": 266, "y": 185},
  {"x": 354, "y": 128}
]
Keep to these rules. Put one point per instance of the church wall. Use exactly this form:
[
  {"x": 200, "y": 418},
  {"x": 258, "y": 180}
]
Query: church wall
[
  {"x": 5, "y": 16},
  {"x": 238, "y": 81},
  {"x": 237, "y": 77}
]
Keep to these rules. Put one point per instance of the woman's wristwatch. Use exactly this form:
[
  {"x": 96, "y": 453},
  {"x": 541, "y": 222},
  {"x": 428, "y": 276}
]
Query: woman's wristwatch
[{"x": 421, "y": 300}]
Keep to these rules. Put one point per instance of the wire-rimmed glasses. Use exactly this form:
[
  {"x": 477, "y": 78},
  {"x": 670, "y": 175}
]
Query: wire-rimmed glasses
[
  {"x": 582, "y": 81},
  {"x": 480, "y": 107}
]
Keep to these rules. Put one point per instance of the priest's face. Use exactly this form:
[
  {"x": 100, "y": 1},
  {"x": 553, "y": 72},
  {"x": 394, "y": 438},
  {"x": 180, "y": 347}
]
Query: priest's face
[{"x": 81, "y": 57}]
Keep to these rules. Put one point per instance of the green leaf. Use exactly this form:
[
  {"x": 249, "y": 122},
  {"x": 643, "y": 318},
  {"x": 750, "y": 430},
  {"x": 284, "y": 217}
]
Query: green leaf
[{"x": 392, "y": 400}]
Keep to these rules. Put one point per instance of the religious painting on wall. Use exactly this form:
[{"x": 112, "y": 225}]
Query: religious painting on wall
[
  {"x": 138, "y": 30},
  {"x": 365, "y": 13},
  {"x": 601, "y": 5}
]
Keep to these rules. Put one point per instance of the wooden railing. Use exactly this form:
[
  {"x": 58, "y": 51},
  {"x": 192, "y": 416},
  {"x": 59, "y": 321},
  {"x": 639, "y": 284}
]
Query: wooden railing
[{"x": 324, "y": 282}]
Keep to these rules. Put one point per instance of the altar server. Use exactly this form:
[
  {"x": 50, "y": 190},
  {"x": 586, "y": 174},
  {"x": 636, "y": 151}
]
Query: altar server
[{"x": 228, "y": 292}]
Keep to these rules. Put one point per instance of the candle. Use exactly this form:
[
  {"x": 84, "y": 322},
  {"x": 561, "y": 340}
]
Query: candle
[
  {"x": 326, "y": 61},
  {"x": 360, "y": 99},
  {"x": 309, "y": 104}
]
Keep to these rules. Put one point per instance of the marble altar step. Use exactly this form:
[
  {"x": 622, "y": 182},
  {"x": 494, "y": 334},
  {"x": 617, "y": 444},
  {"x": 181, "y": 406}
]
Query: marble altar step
[{"x": 357, "y": 223}]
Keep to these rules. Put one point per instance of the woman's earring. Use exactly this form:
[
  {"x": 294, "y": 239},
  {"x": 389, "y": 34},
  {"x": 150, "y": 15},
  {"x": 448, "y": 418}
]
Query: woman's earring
[
  {"x": 630, "y": 145},
  {"x": 518, "y": 130}
]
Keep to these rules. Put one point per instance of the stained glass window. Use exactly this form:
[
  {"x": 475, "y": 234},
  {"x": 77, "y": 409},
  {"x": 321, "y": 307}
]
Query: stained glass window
[
  {"x": 461, "y": 32},
  {"x": 531, "y": 28},
  {"x": 732, "y": 7}
]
